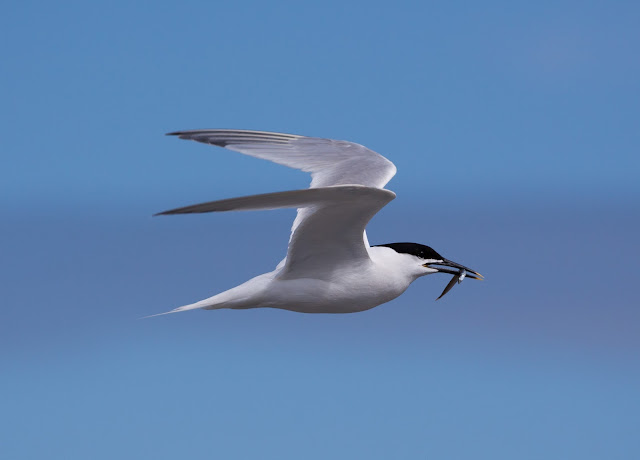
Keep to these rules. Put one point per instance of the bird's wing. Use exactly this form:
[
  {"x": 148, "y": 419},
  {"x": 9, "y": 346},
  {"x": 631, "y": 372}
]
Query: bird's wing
[
  {"x": 331, "y": 233},
  {"x": 323, "y": 232},
  {"x": 330, "y": 162}
]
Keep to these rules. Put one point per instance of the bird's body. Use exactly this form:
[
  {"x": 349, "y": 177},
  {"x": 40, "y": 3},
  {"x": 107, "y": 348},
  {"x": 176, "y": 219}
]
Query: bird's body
[
  {"x": 330, "y": 266},
  {"x": 346, "y": 289}
]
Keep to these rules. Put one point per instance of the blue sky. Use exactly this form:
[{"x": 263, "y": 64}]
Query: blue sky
[{"x": 514, "y": 129}]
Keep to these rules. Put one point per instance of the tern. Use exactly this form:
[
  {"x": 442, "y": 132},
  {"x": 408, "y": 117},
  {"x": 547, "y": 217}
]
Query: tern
[{"x": 330, "y": 266}]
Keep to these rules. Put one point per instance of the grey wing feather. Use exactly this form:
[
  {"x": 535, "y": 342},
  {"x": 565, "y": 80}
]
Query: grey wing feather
[
  {"x": 289, "y": 199},
  {"x": 331, "y": 232},
  {"x": 329, "y": 161},
  {"x": 331, "y": 235}
]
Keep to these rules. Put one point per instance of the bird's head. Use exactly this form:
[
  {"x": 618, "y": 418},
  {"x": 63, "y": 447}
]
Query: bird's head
[{"x": 424, "y": 260}]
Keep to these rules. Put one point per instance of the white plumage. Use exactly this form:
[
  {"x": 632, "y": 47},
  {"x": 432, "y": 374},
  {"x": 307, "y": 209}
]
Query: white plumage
[{"x": 329, "y": 267}]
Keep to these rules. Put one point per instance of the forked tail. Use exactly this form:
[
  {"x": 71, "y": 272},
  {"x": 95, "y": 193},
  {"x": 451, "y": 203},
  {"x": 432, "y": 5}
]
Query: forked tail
[
  {"x": 206, "y": 304},
  {"x": 247, "y": 295}
]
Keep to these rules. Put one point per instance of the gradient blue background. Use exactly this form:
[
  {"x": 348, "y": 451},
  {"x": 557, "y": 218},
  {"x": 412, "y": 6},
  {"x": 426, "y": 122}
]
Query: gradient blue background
[{"x": 514, "y": 127}]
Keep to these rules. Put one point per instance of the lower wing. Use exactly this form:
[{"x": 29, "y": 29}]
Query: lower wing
[{"x": 329, "y": 229}]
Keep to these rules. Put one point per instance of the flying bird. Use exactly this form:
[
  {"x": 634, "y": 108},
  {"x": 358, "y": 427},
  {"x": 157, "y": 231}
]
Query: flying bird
[{"x": 330, "y": 266}]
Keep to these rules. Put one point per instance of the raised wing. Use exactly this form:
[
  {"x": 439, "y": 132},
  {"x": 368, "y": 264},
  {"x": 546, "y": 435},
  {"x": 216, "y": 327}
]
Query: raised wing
[
  {"x": 330, "y": 162},
  {"x": 329, "y": 227},
  {"x": 330, "y": 235}
]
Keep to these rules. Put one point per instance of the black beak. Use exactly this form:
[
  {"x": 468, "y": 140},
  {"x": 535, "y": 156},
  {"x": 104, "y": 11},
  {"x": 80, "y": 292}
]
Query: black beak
[
  {"x": 447, "y": 263},
  {"x": 458, "y": 275}
]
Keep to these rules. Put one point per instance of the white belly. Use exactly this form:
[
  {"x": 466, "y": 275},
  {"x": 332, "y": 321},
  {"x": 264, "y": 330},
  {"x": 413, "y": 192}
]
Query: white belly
[{"x": 346, "y": 291}]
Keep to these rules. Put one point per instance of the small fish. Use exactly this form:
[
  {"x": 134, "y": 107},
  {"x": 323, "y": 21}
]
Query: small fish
[{"x": 457, "y": 278}]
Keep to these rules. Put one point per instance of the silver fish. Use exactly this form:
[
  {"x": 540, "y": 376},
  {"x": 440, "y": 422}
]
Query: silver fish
[
  {"x": 454, "y": 280},
  {"x": 457, "y": 278}
]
